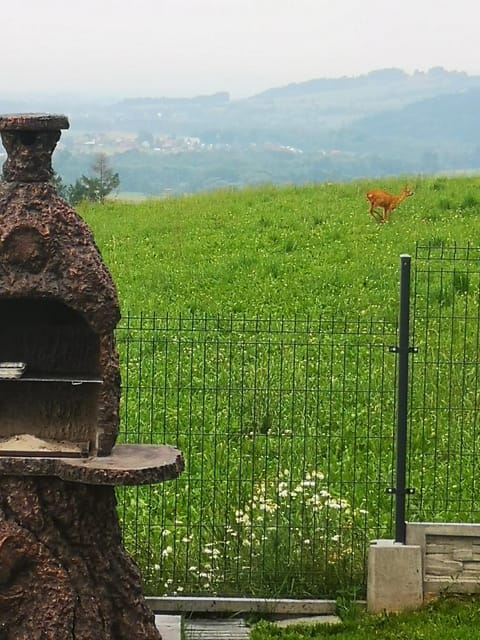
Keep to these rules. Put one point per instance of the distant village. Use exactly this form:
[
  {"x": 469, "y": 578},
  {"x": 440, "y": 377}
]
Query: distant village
[{"x": 114, "y": 143}]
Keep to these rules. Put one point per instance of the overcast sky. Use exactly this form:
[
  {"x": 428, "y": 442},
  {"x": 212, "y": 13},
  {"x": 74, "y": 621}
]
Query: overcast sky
[{"x": 127, "y": 48}]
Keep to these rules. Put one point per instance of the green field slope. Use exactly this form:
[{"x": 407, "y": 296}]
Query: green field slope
[{"x": 277, "y": 250}]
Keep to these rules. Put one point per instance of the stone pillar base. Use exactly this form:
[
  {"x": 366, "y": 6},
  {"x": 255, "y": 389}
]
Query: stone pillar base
[{"x": 395, "y": 577}]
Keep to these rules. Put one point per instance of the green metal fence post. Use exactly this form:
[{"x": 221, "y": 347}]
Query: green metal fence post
[{"x": 403, "y": 350}]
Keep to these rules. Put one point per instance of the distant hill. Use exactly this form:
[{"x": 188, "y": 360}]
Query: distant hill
[
  {"x": 441, "y": 123},
  {"x": 304, "y": 114},
  {"x": 420, "y": 83},
  {"x": 381, "y": 123}
]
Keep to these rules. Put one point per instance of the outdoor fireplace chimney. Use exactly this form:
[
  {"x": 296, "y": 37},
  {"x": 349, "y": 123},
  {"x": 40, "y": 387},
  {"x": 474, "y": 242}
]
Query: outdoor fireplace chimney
[
  {"x": 58, "y": 308},
  {"x": 64, "y": 571}
]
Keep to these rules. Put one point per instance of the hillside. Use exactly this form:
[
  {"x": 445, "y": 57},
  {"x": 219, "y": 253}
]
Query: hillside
[
  {"x": 277, "y": 250},
  {"x": 386, "y": 122},
  {"x": 439, "y": 124}
]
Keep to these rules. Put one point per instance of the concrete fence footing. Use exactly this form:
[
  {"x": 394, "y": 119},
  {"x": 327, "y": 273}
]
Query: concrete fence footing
[
  {"x": 395, "y": 577},
  {"x": 438, "y": 558}
]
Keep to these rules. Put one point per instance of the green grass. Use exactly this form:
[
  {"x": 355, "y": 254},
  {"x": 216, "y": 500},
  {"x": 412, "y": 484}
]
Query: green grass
[
  {"x": 286, "y": 461},
  {"x": 446, "y": 619},
  {"x": 280, "y": 250}
]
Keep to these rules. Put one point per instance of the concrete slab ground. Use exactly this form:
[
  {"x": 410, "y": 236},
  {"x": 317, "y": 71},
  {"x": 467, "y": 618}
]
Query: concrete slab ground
[
  {"x": 208, "y": 628},
  {"x": 169, "y": 626},
  {"x": 216, "y": 629}
]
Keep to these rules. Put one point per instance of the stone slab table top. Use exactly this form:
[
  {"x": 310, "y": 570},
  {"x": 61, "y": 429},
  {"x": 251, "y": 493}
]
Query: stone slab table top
[{"x": 128, "y": 464}]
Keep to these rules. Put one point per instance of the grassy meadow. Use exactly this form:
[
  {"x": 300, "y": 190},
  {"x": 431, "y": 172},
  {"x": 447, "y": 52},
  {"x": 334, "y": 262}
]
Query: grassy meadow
[
  {"x": 286, "y": 425},
  {"x": 277, "y": 250},
  {"x": 445, "y": 619}
]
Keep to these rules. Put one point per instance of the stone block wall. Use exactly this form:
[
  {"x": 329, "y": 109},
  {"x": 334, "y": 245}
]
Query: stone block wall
[{"x": 450, "y": 556}]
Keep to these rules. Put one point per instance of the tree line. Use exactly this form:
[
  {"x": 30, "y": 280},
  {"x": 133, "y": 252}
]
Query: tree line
[{"x": 94, "y": 188}]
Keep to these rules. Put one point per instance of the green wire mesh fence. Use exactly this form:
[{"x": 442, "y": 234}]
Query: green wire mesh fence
[
  {"x": 286, "y": 426},
  {"x": 444, "y": 395}
]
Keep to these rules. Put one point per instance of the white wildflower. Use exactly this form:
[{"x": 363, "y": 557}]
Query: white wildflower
[
  {"x": 242, "y": 518},
  {"x": 308, "y": 483},
  {"x": 333, "y": 504}
]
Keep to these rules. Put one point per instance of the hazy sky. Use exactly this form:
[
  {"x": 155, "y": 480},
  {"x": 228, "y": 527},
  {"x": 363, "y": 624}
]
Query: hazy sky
[{"x": 127, "y": 48}]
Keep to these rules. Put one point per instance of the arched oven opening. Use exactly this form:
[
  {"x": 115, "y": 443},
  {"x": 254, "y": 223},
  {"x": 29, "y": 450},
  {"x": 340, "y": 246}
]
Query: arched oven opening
[{"x": 50, "y": 379}]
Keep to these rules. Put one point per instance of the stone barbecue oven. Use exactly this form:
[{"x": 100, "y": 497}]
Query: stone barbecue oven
[
  {"x": 58, "y": 309},
  {"x": 63, "y": 570}
]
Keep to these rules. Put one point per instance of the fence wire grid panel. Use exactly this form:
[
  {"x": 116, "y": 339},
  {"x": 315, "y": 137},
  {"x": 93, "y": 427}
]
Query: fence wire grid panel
[
  {"x": 287, "y": 430},
  {"x": 444, "y": 396}
]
